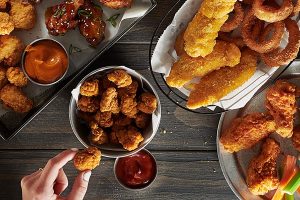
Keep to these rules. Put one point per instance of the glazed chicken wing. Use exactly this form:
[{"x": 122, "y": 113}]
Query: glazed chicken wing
[
  {"x": 262, "y": 174},
  {"x": 246, "y": 131},
  {"x": 116, "y": 4},
  {"x": 91, "y": 25},
  {"x": 281, "y": 103}
]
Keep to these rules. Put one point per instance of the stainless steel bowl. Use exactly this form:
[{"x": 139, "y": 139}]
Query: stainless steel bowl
[
  {"x": 81, "y": 130},
  {"x": 23, "y": 62},
  {"x": 141, "y": 188}
]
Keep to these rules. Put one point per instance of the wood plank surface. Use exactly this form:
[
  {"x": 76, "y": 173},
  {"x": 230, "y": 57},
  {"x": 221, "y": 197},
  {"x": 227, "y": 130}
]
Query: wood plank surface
[{"x": 184, "y": 175}]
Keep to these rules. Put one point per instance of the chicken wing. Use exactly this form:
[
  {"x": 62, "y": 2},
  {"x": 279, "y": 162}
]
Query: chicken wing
[
  {"x": 23, "y": 14},
  {"x": 281, "y": 103},
  {"x": 219, "y": 83},
  {"x": 262, "y": 174},
  {"x": 116, "y": 4},
  {"x": 16, "y": 76},
  {"x": 91, "y": 25},
  {"x": 246, "y": 131}
]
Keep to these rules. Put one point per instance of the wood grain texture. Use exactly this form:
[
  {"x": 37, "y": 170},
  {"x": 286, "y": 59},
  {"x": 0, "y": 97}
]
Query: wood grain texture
[{"x": 183, "y": 175}]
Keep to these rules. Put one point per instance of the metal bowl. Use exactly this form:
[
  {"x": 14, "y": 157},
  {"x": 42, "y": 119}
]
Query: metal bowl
[
  {"x": 23, "y": 62},
  {"x": 81, "y": 130}
]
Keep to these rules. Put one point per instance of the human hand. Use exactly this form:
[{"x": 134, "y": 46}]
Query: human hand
[{"x": 50, "y": 182}]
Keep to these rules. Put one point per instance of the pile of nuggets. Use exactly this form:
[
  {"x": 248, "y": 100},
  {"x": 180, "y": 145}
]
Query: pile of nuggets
[
  {"x": 224, "y": 42},
  {"x": 116, "y": 109},
  {"x": 14, "y": 15},
  {"x": 249, "y": 130}
]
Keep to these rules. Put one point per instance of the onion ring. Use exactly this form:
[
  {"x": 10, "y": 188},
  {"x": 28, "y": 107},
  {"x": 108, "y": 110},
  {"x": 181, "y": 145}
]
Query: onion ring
[
  {"x": 280, "y": 56},
  {"x": 266, "y": 45},
  {"x": 265, "y": 35},
  {"x": 271, "y": 14},
  {"x": 236, "y": 20}
]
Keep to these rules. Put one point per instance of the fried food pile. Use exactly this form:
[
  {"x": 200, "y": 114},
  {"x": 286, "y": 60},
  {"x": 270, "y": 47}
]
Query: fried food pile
[
  {"x": 87, "y": 159},
  {"x": 116, "y": 109},
  {"x": 117, "y": 4},
  {"x": 247, "y": 131},
  {"x": 209, "y": 49}
]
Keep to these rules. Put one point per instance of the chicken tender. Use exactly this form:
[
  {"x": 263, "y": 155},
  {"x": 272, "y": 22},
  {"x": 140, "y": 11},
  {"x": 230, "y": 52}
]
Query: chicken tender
[
  {"x": 109, "y": 101},
  {"x": 246, "y": 131},
  {"x": 3, "y": 79},
  {"x": 116, "y": 4},
  {"x": 98, "y": 136},
  {"x": 217, "y": 8},
  {"x": 16, "y": 77},
  {"x": 6, "y": 24},
  {"x": 147, "y": 103},
  {"x": 129, "y": 91},
  {"x": 281, "y": 103},
  {"x": 90, "y": 88},
  {"x": 11, "y": 49},
  {"x": 262, "y": 174},
  {"x": 218, "y": 84},
  {"x": 296, "y": 138},
  {"x": 87, "y": 159},
  {"x": 142, "y": 120},
  {"x": 23, "y": 14},
  {"x": 120, "y": 77},
  {"x": 179, "y": 44},
  {"x": 104, "y": 119},
  {"x": 88, "y": 104},
  {"x": 13, "y": 97},
  {"x": 187, "y": 68},
  {"x": 130, "y": 138},
  {"x": 129, "y": 107},
  {"x": 3, "y": 4}
]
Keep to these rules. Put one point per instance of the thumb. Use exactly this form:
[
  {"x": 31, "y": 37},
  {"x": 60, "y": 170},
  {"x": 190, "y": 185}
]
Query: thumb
[{"x": 80, "y": 186}]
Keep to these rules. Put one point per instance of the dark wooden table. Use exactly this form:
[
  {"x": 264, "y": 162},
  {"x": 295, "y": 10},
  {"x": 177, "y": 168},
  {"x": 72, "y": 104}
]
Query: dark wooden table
[{"x": 184, "y": 146}]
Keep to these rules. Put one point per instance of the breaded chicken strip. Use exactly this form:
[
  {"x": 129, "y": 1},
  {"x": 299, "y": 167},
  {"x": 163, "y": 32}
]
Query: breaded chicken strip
[
  {"x": 281, "y": 103},
  {"x": 179, "y": 44},
  {"x": 147, "y": 103},
  {"x": 296, "y": 138},
  {"x": 246, "y": 131},
  {"x": 217, "y": 8},
  {"x": 90, "y": 88},
  {"x": 6, "y": 24},
  {"x": 187, "y": 68},
  {"x": 13, "y": 97},
  {"x": 16, "y": 76},
  {"x": 3, "y": 4},
  {"x": 218, "y": 84},
  {"x": 262, "y": 174},
  {"x": 120, "y": 77},
  {"x": 11, "y": 49},
  {"x": 23, "y": 14},
  {"x": 129, "y": 138},
  {"x": 109, "y": 101},
  {"x": 116, "y": 4},
  {"x": 129, "y": 107}
]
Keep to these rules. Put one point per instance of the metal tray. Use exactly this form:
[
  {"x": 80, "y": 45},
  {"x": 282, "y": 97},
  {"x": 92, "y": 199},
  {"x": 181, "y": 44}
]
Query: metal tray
[
  {"x": 234, "y": 165},
  {"x": 10, "y": 122}
]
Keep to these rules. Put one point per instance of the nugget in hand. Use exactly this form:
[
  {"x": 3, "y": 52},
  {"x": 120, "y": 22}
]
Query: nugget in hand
[{"x": 87, "y": 159}]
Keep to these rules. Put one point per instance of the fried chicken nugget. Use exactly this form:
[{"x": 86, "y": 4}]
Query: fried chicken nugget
[
  {"x": 122, "y": 120},
  {"x": 23, "y": 14},
  {"x": 128, "y": 91},
  {"x": 88, "y": 104},
  {"x": 113, "y": 137},
  {"x": 3, "y": 79},
  {"x": 116, "y": 4},
  {"x": 109, "y": 101},
  {"x": 120, "y": 77},
  {"x": 13, "y": 97},
  {"x": 6, "y": 24},
  {"x": 187, "y": 68},
  {"x": 90, "y": 88},
  {"x": 147, "y": 103},
  {"x": 217, "y": 8},
  {"x": 11, "y": 49},
  {"x": 16, "y": 77},
  {"x": 281, "y": 103},
  {"x": 129, "y": 107},
  {"x": 87, "y": 159},
  {"x": 129, "y": 138},
  {"x": 246, "y": 131},
  {"x": 3, "y": 4},
  {"x": 142, "y": 120},
  {"x": 262, "y": 174},
  {"x": 296, "y": 138},
  {"x": 218, "y": 84},
  {"x": 104, "y": 119},
  {"x": 98, "y": 136}
]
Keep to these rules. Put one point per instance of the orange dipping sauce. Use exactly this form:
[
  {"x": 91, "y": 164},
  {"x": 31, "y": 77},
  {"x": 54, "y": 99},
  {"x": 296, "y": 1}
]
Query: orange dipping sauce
[{"x": 45, "y": 61}]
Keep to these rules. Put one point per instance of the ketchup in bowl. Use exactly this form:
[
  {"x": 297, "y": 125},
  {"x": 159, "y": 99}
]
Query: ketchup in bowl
[{"x": 136, "y": 171}]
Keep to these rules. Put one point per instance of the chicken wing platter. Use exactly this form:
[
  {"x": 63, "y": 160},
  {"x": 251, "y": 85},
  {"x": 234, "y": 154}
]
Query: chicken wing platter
[
  {"x": 219, "y": 53},
  {"x": 45, "y": 45},
  {"x": 258, "y": 145}
]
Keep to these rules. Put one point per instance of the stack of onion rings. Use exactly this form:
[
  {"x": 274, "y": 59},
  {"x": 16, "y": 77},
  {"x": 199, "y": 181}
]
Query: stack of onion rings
[
  {"x": 269, "y": 13},
  {"x": 265, "y": 45},
  {"x": 279, "y": 56},
  {"x": 236, "y": 20}
]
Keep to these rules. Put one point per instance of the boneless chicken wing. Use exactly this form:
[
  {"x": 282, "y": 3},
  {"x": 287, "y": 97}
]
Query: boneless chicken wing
[
  {"x": 11, "y": 49},
  {"x": 262, "y": 174},
  {"x": 130, "y": 138},
  {"x": 120, "y": 77},
  {"x": 88, "y": 104},
  {"x": 6, "y": 24},
  {"x": 90, "y": 88},
  {"x": 246, "y": 131},
  {"x": 104, "y": 119},
  {"x": 109, "y": 101},
  {"x": 129, "y": 107},
  {"x": 147, "y": 103},
  {"x": 87, "y": 159},
  {"x": 23, "y": 14},
  {"x": 116, "y": 4},
  {"x": 16, "y": 76}
]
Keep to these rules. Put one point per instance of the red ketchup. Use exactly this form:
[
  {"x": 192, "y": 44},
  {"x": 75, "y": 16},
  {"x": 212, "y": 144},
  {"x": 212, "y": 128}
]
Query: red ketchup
[{"x": 136, "y": 171}]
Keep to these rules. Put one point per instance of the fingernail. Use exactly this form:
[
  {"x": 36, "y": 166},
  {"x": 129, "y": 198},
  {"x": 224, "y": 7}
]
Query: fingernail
[
  {"x": 74, "y": 149},
  {"x": 87, "y": 175}
]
